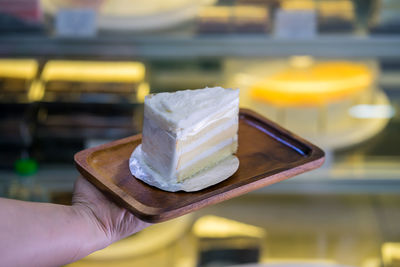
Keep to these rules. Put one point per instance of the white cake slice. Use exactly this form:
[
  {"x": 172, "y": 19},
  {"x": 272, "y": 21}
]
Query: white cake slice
[{"x": 187, "y": 132}]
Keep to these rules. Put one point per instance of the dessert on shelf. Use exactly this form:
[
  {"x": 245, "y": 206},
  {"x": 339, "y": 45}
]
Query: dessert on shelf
[
  {"x": 336, "y": 16},
  {"x": 313, "y": 85},
  {"x": 94, "y": 80},
  {"x": 312, "y": 98},
  {"x": 296, "y": 5},
  {"x": 233, "y": 19},
  {"x": 385, "y": 17},
  {"x": 134, "y": 15},
  {"x": 16, "y": 76}
]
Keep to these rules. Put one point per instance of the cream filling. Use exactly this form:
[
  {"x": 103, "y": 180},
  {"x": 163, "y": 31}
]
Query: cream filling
[
  {"x": 207, "y": 153},
  {"x": 215, "y": 140},
  {"x": 209, "y": 134},
  {"x": 207, "y": 162}
]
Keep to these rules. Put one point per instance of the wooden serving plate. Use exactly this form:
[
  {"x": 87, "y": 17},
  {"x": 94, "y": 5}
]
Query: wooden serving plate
[{"x": 268, "y": 154}]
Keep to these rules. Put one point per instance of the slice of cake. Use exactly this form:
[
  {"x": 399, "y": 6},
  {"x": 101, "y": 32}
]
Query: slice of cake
[{"x": 187, "y": 132}]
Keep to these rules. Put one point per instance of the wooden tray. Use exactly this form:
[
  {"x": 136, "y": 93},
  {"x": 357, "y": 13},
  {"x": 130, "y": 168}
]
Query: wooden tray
[{"x": 268, "y": 154}]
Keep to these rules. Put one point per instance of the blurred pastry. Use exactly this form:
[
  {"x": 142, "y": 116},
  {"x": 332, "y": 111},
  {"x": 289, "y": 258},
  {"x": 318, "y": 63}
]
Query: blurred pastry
[
  {"x": 230, "y": 19},
  {"x": 316, "y": 85},
  {"x": 313, "y": 98},
  {"x": 335, "y": 16},
  {"x": 250, "y": 19},
  {"x": 134, "y": 15},
  {"x": 76, "y": 78},
  {"x": 385, "y": 18},
  {"x": 16, "y": 74},
  {"x": 214, "y": 19}
]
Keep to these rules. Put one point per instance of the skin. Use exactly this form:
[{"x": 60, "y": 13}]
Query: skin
[{"x": 44, "y": 234}]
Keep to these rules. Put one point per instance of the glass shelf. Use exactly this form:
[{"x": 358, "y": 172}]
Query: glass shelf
[{"x": 189, "y": 46}]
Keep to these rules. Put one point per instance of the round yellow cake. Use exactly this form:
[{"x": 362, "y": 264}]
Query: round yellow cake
[
  {"x": 314, "y": 98},
  {"x": 315, "y": 85}
]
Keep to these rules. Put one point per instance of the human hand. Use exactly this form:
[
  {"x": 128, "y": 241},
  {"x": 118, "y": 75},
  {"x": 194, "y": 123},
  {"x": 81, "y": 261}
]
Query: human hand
[
  {"x": 55, "y": 235},
  {"x": 112, "y": 222}
]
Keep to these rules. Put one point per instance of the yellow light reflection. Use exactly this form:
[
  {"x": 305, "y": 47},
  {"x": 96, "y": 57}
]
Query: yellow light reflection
[
  {"x": 142, "y": 91},
  {"x": 391, "y": 254},
  {"x": 300, "y": 262},
  {"x": 218, "y": 227},
  {"x": 143, "y": 242},
  {"x": 301, "y": 61},
  {"x": 36, "y": 92}
]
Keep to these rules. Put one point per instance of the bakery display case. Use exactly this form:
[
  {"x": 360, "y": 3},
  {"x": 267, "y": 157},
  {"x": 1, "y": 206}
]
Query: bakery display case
[
  {"x": 75, "y": 76},
  {"x": 316, "y": 99}
]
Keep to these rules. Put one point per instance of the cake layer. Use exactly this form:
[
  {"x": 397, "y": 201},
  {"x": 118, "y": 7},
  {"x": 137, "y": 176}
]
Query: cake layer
[
  {"x": 193, "y": 138},
  {"x": 223, "y": 135},
  {"x": 208, "y": 159}
]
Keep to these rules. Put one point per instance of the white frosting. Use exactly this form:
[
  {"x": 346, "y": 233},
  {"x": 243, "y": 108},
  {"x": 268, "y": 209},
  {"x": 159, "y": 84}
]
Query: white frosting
[
  {"x": 188, "y": 108},
  {"x": 159, "y": 150}
]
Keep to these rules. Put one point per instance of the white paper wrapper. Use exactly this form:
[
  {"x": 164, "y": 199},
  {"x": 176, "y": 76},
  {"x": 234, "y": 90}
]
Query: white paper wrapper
[{"x": 203, "y": 179}]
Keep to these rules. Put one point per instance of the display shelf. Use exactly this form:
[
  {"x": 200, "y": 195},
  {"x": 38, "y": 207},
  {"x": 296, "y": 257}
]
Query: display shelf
[
  {"x": 331, "y": 186},
  {"x": 184, "y": 46},
  {"x": 61, "y": 179}
]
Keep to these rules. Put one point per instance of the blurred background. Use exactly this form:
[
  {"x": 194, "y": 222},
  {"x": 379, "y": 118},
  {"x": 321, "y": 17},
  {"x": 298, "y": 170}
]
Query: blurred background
[{"x": 74, "y": 74}]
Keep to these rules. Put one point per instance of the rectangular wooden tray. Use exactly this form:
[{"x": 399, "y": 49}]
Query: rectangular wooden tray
[{"x": 268, "y": 154}]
